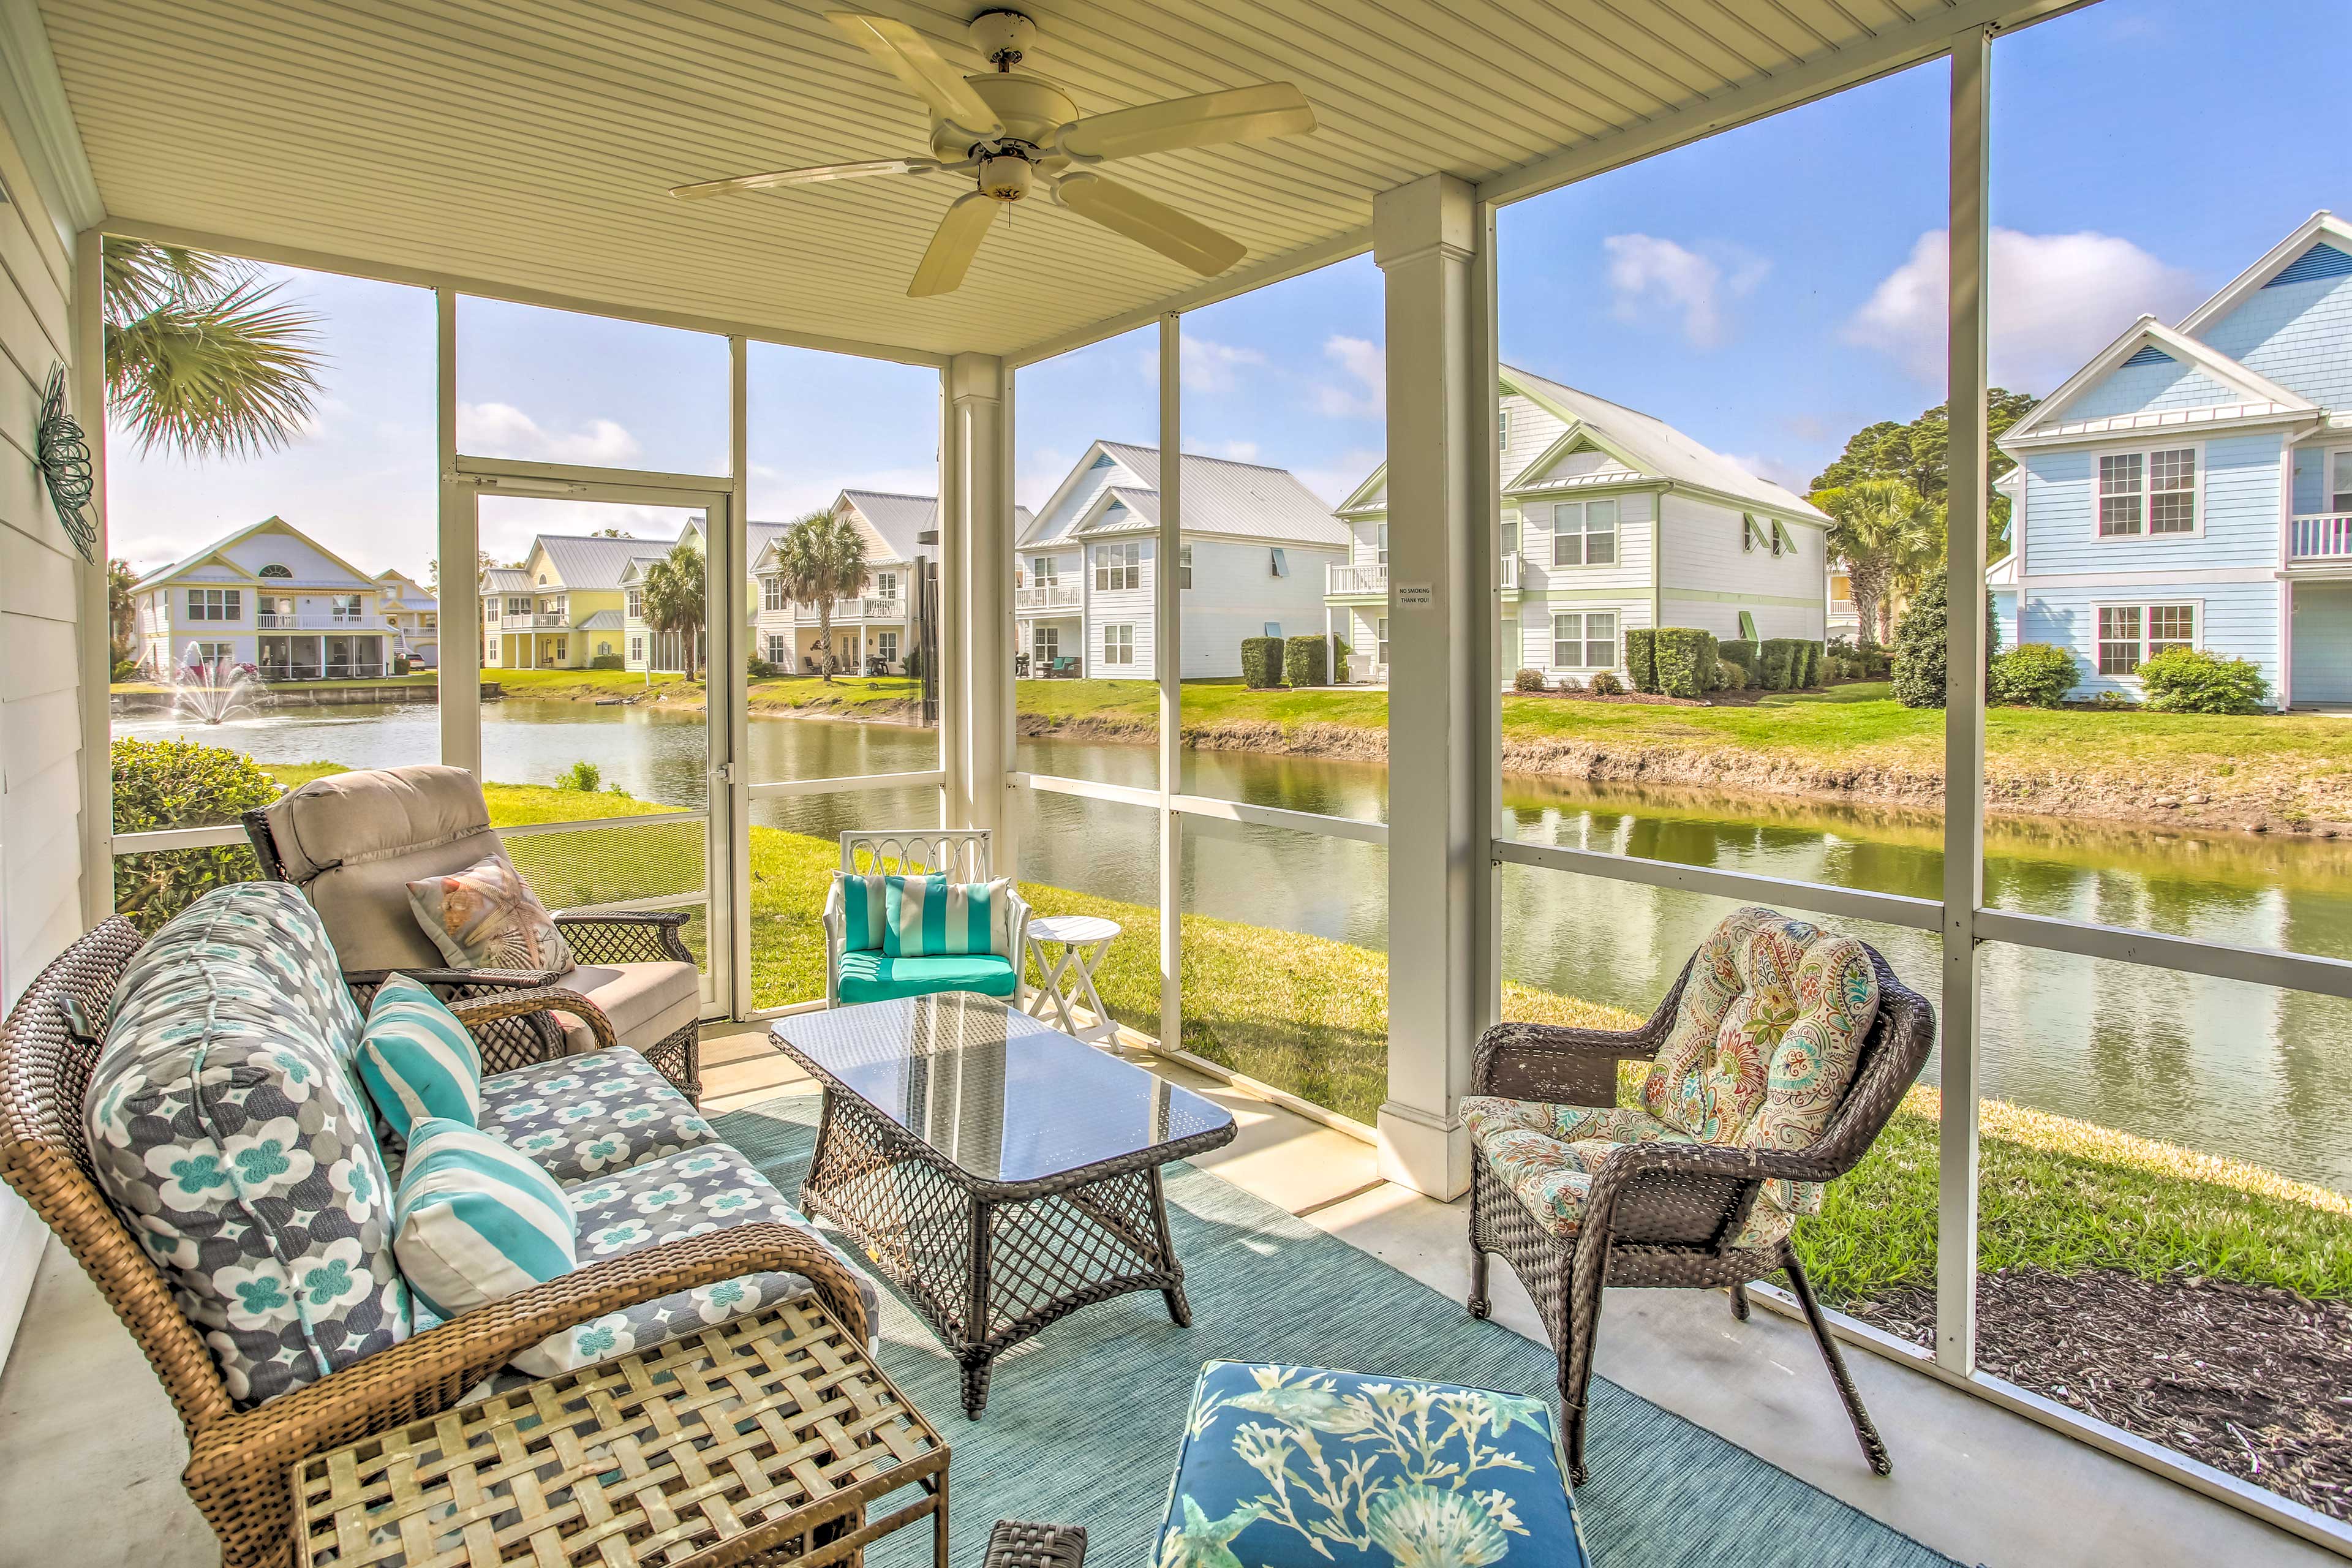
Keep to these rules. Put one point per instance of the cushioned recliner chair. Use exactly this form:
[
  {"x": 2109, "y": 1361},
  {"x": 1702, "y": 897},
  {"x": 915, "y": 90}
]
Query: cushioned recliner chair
[{"x": 352, "y": 842}]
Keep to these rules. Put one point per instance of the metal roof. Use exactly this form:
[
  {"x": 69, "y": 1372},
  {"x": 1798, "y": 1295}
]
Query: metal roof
[
  {"x": 590, "y": 565},
  {"x": 894, "y": 521},
  {"x": 1248, "y": 500},
  {"x": 602, "y": 621}
]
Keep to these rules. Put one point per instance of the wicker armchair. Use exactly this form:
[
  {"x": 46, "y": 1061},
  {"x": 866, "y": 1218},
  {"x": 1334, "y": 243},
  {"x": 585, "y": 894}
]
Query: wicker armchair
[
  {"x": 381, "y": 827},
  {"x": 1665, "y": 1213},
  {"x": 239, "y": 1460}
]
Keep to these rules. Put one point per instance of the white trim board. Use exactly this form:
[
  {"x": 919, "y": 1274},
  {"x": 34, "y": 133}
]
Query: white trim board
[{"x": 2185, "y": 576}]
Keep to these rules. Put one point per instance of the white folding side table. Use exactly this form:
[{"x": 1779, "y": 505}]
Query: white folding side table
[{"x": 1069, "y": 973}]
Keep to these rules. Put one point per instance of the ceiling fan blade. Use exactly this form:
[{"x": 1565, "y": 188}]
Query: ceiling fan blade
[
  {"x": 803, "y": 176},
  {"x": 901, "y": 50},
  {"x": 1236, "y": 114},
  {"x": 948, "y": 256},
  {"x": 1125, "y": 210}
]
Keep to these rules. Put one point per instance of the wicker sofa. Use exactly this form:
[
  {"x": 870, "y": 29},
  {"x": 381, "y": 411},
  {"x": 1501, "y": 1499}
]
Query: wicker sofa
[{"x": 676, "y": 1230}]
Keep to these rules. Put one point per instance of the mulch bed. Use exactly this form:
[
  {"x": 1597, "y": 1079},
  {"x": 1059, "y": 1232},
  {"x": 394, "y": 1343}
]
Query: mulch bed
[
  {"x": 1625, "y": 698},
  {"x": 2249, "y": 1379}
]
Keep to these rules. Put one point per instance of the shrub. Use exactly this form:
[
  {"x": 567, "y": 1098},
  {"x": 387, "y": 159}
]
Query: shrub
[
  {"x": 1686, "y": 659},
  {"x": 1642, "y": 658},
  {"x": 126, "y": 669},
  {"x": 1745, "y": 652},
  {"x": 756, "y": 668},
  {"x": 605, "y": 661},
  {"x": 400, "y": 664},
  {"x": 1716, "y": 678},
  {"x": 1606, "y": 684},
  {"x": 1816, "y": 660},
  {"x": 1261, "y": 662},
  {"x": 1304, "y": 661},
  {"x": 1919, "y": 661},
  {"x": 180, "y": 784},
  {"x": 1527, "y": 680},
  {"x": 2032, "y": 675},
  {"x": 1340, "y": 652},
  {"x": 1780, "y": 659},
  {"x": 1735, "y": 677},
  {"x": 2191, "y": 680},
  {"x": 584, "y": 775}
]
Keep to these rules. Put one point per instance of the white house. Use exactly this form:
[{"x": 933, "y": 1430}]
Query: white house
[
  {"x": 414, "y": 614},
  {"x": 267, "y": 595},
  {"x": 876, "y": 624},
  {"x": 1611, "y": 520},
  {"x": 1254, "y": 545},
  {"x": 2192, "y": 485}
]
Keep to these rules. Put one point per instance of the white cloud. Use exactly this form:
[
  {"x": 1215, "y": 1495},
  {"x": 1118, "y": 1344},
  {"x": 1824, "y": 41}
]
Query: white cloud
[
  {"x": 2057, "y": 299},
  {"x": 503, "y": 430},
  {"x": 1788, "y": 476},
  {"x": 1652, "y": 276},
  {"x": 1337, "y": 480},
  {"x": 1364, "y": 394}
]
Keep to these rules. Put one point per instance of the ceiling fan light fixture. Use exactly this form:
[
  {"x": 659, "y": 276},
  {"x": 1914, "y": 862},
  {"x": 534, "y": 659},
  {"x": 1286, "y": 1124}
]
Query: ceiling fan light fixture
[{"x": 1005, "y": 176}]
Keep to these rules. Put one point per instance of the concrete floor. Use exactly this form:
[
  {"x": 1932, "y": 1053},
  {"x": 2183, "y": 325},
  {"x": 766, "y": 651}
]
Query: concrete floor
[{"x": 90, "y": 1450}]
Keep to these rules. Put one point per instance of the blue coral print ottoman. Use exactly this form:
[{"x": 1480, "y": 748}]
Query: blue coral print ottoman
[{"x": 1294, "y": 1467}]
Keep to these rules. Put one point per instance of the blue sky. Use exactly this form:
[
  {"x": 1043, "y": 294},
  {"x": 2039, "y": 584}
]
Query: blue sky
[{"x": 1768, "y": 290}]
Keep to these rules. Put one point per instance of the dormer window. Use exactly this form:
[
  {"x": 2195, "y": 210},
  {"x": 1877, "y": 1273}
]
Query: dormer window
[{"x": 274, "y": 570}]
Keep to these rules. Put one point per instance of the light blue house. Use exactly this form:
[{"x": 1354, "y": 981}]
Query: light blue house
[{"x": 2193, "y": 484}]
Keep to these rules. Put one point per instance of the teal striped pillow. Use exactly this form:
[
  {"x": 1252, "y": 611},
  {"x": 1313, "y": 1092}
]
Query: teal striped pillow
[
  {"x": 417, "y": 1060},
  {"x": 474, "y": 1221},
  {"x": 930, "y": 917},
  {"x": 863, "y": 911}
]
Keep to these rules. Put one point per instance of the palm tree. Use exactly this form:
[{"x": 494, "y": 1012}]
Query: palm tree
[
  {"x": 823, "y": 559},
  {"x": 121, "y": 615},
  {"x": 199, "y": 359},
  {"x": 674, "y": 598},
  {"x": 1887, "y": 533}
]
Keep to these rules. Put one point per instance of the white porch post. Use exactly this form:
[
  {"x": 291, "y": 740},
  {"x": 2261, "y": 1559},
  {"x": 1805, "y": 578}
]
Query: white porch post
[
  {"x": 1167, "y": 662},
  {"x": 1426, "y": 241},
  {"x": 979, "y": 537},
  {"x": 460, "y": 684}
]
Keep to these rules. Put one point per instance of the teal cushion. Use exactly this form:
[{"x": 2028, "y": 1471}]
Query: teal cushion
[
  {"x": 417, "y": 1060},
  {"x": 879, "y": 977},
  {"x": 930, "y": 917},
  {"x": 476, "y": 1222},
  {"x": 864, "y": 907},
  {"x": 1433, "y": 1473}
]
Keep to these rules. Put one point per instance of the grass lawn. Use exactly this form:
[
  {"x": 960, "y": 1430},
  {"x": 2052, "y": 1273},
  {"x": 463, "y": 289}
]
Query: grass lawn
[{"x": 854, "y": 695}]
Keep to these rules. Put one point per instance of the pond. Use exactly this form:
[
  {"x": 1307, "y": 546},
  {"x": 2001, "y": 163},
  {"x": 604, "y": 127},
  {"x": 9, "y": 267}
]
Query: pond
[{"x": 2229, "y": 1068}]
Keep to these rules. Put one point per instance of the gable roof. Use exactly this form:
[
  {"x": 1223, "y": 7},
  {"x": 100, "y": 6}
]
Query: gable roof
[
  {"x": 1243, "y": 500},
  {"x": 1137, "y": 509},
  {"x": 893, "y": 520},
  {"x": 505, "y": 580},
  {"x": 584, "y": 564},
  {"x": 2259, "y": 398},
  {"x": 2322, "y": 228},
  {"x": 165, "y": 573}
]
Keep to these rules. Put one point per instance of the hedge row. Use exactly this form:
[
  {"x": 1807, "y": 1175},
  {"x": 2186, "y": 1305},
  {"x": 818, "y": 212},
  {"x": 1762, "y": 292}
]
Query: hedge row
[
  {"x": 1306, "y": 661},
  {"x": 1642, "y": 658},
  {"x": 1261, "y": 662},
  {"x": 1685, "y": 661}
]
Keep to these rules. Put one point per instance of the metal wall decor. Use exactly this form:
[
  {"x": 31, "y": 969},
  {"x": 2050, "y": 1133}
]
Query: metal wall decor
[{"x": 64, "y": 457}]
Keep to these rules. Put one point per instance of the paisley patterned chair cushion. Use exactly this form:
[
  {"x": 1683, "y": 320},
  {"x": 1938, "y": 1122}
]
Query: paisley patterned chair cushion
[
  {"x": 486, "y": 916},
  {"x": 587, "y": 1116},
  {"x": 660, "y": 1200},
  {"x": 228, "y": 1128},
  {"x": 1288, "y": 1467}
]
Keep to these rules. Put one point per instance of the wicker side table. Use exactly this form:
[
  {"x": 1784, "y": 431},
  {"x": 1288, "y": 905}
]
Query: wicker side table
[{"x": 761, "y": 1440}]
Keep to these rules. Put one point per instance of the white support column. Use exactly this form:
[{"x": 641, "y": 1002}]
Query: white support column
[
  {"x": 1964, "y": 729},
  {"x": 736, "y": 557},
  {"x": 94, "y": 610},
  {"x": 978, "y": 544},
  {"x": 1168, "y": 666},
  {"x": 457, "y": 550},
  {"x": 1426, "y": 240}
]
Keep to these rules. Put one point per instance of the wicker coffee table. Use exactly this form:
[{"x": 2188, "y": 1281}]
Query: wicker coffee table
[
  {"x": 1001, "y": 1173},
  {"x": 759, "y": 1440}
]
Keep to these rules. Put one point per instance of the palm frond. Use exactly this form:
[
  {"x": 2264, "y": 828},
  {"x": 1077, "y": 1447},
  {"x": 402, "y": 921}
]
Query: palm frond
[
  {"x": 229, "y": 374},
  {"x": 140, "y": 277}
]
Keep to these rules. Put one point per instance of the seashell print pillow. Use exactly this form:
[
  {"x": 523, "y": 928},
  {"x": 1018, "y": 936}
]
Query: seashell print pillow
[{"x": 485, "y": 917}]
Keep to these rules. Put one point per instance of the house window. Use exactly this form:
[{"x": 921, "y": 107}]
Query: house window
[
  {"x": 776, "y": 654},
  {"x": 636, "y": 603},
  {"x": 1118, "y": 566},
  {"x": 885, "y": 585},
  {"x": 1274, "y": 629},
  {"x": 2129, "y": 635},
  {"x": 275, "y": 570},
  {"x": 215, "y": 652},
  {"x": 1380, "y": 640},
  {"x": 518, "y": 604},
  {"x": 1276, "y": 564},
  {"x": 771, "y": 594},
  {"x": 1502, "y": 430},
  {"x": 1045, "y": 646},
  {"x": 2339, "y": 482},
  {"x": 1184, "y": 566},
  {"x": 558, "y": 656},
  {"x": 428, "y": 620},
  {"x": 604, "y": 650},
  {"x": 886, "y": 647},
  {"x": 1584, "y": 640},
  {"x": 1584, "y": 533},
  {"x": 343, "y": 607},
  {"x": 1045, "y": 571},
  {"x": 637, "y": 650},
  {"x": 1382, "y": 534},
  {"x": 2170, "y": 626},
  {"x": 2148, "y": 493},
  {"x": 215, "y": 603},
  {"x": 1118, "y": 644}
]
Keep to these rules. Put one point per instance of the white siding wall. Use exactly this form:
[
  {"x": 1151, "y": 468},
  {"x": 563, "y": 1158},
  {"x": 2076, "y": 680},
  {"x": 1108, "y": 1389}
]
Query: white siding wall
[
  {"x": 1364, "y": 540},
  {"x": 1119, "y": 606},
  {"x": 1704, "y": 553},
  {"x": 1233, "y": 597},
  {"x": 1634, "y": 545},
  {"x": 1531, "y": 432},
  {"x": 40, "y": 688},
  {"x": 2323, "y": 643},
  {"x": 1536, "y": 647}
]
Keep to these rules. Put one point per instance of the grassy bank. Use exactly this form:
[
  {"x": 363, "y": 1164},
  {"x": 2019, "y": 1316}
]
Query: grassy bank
[{"x": 846, "y": 696}]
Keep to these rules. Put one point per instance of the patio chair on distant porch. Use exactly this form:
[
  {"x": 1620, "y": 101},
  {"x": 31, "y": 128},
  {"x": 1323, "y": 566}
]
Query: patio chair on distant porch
[
  {"x": 1773, "y": 1063},
  {"x": 859, "y": 965}
]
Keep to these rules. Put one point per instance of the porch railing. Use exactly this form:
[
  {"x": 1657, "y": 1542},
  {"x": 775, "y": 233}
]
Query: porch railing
[
  {"x": 1510, "y": 579},
  {"x": 1046, "y": 596},
  {"x": 2324, "y": 537},
  {"x": 553, "y": 620},
  {"x": 315, "y": 621},
  {"x": 1348, "y": 577}
]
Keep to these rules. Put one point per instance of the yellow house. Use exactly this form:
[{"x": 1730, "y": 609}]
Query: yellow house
[{"x": 561, "y": 608}]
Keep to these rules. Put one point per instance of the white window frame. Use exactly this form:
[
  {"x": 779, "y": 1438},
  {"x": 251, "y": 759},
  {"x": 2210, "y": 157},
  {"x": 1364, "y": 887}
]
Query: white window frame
[
  {"x": 216, "y": 605},
  {"x": 1585, "y": 533},
  {"x": 1277, "y": 563},
  {"x": 637, "y": 649},
  {"x": 1045, "y": 648},
  {"x": 518, "y": 604},
  {"x": 1380, "y": 640},
  {"x": 2147, "y": 492},
  {"x": 772, "y": 593},
  {"x": 1118, "y": 644},
  {"x": 1584, "y": 639},
  {"x": 885, "y": 585},
  {"x": 1118, "y": 567},
  {"x": 2147, "y": 641},
  {"x": 1184, "y": 566},
  {"x": 779, "y": 650},
  {"x": 215, "y": 652},
  {"x": 1045, "y": 571},
  {"x": 886, "y": 647},
  {"x": 636, "y": 603},
  {"x": 1380, "y": 543}
]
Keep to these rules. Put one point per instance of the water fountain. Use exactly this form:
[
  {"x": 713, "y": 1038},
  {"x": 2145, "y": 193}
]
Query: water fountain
[{"x": 212, "y": 691}]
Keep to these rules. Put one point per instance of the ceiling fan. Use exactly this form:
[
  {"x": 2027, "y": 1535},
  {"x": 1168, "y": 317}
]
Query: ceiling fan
[{"x": 1017, "y": 133}]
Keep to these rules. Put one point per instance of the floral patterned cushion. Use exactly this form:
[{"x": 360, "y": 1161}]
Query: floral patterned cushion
[
  {"x": 660, "y": 1200},
  {"x": 228, "y": 1128},
  {"x": 580, "y": 1117},
  {"x": 1287, "y": 1467},
  {"x": 486, "y": 916}
]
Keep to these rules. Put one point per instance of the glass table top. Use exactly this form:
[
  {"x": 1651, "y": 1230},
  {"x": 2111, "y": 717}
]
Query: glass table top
[{"x": 1005, "y": 1097}]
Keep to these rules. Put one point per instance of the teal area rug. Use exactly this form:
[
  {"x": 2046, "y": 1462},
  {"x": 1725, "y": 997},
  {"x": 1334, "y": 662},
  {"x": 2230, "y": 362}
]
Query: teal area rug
[{"x": 1083, "y": 1422}]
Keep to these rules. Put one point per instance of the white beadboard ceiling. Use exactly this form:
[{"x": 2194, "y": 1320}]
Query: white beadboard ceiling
[{"x": 530, "y": 143}]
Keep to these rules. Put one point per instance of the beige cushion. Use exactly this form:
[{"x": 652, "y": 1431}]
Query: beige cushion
[
  {"x": 646, "y": 1002},
  {"x": 352, "y": 842}
]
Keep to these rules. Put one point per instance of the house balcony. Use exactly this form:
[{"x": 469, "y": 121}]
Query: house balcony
[
  {"x": 1511, "y": 578},
  {"x": 2326, "y": 538},
  {"x": 310, "y": 621},
  {"x": 1350, "y": 579},
  {"x": 851, "y": 612},
  {"x": 1047, "y": 596}
]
